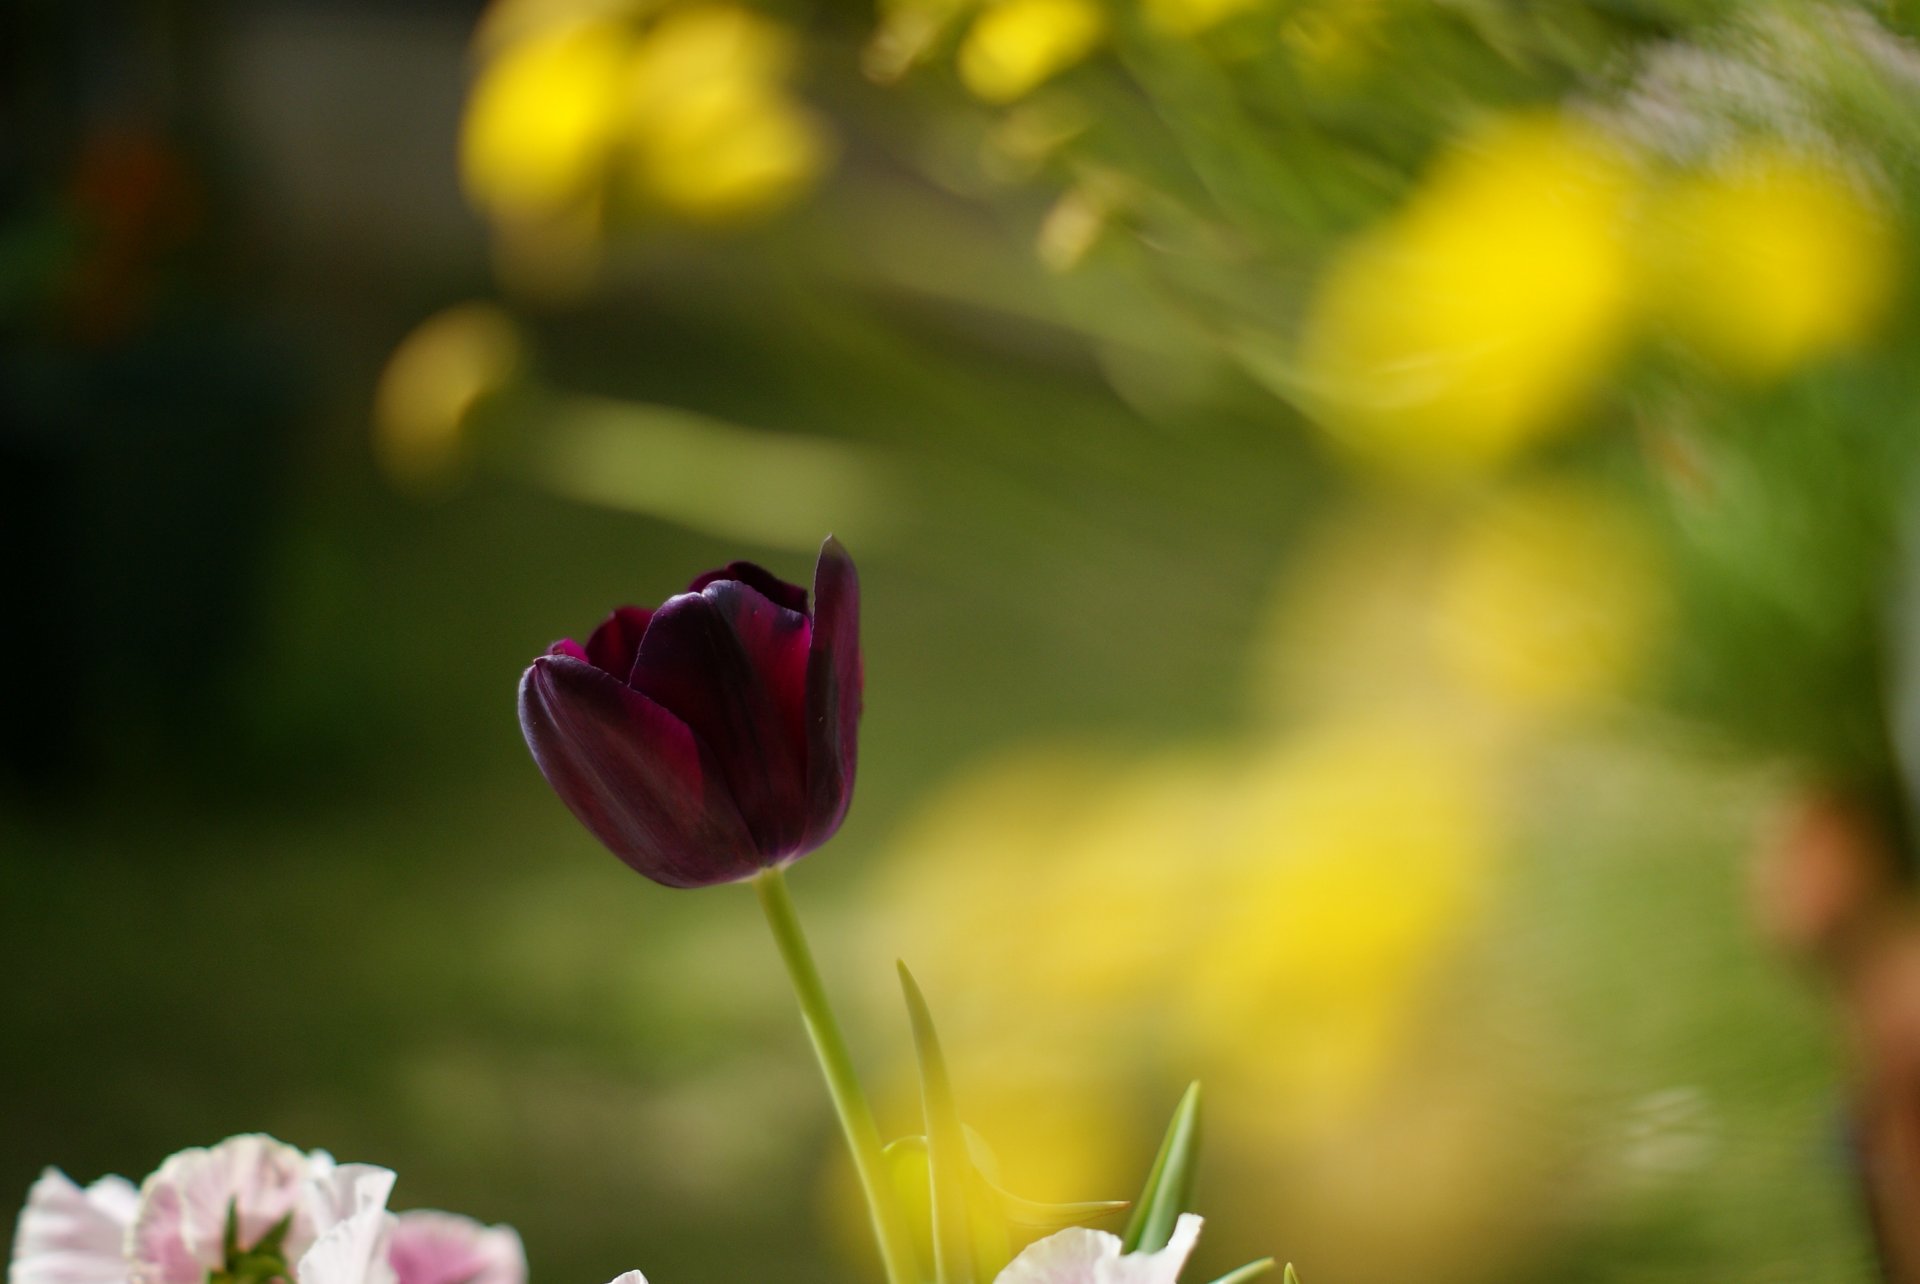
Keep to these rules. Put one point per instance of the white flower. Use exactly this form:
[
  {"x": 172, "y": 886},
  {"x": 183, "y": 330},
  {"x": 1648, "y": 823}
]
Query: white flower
[
  {"x": 446, "y": 1248},
  {"x": 352, "y": 1227},
  {"x": 179, "y": 1231},
  {"x": 67, "y": 1235},
  {"x": 631, "y": 1277},
  {"x": 1081, "y": 1256}
]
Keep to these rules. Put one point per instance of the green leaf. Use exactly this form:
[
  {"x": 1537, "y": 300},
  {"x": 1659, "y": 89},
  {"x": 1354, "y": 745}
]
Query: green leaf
[
  {"x": 947, "y": 1156},
  {"x": 1253, "y": 1270},
  {"x": 1290, "y": 1277},
  {"x": 1169, "y": 1186},
  {"x": 273, "y": 1243},
  {"x": 1052, "y": 1217}
]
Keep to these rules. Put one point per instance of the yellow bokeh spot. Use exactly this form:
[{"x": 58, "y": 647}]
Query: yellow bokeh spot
[
  {"x": 1362, "y": 854},
  {"x": 541, "y": 119},
  {"x": 1549, "y": 599},
  {"x": 729, "y": 150},
  {"x": 716, "y": 136},
  {"x": 431, "y": 384},
  {"x": 1016, "y": 45},
  {"x": 1473, "y": 323},
  {"x": 688, "y": 51},
  {"x": 1769, "y": 262}
]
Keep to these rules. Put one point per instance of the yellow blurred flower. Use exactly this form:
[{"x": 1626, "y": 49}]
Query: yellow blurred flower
[
  {"x": 1472, "y": 323},
  {"x": 1363, "y": 851},
  {"x": 1348, "y": 628},
  {"x": 729, "y": 150},
  {"x": 432, "y": 383},
  {"x": 542, "y": 117},
  {"x": 690, "y": 113},
  {"x": 1016, "y": 45},
  {"x": 1549, "y": 600},
  {"x": 1267, "y": 926},
  {"x": 1769, "y": 261}
]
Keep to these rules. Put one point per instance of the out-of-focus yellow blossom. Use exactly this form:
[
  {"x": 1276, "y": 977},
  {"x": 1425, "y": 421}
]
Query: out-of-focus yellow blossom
[
  {"x": 717, "y": 137},
  {"x": 1361, "y": 856},
  {"x": 1348, "y": 628},
  {"x": 1120, "y": 894},
  {"x": 1472, "y": 323},
  {"x": 541, "y": 119},
  {"x": 432, "y": 382},
  {"x": 1016, "y": 45},
  {"x": 689, "y": 112},
  {"x": 1769, "y": 261},
  {"x": 1549, "y": 599},
  {"x": 731, "y": 150},
  {"x": 1268, "y": 928}
]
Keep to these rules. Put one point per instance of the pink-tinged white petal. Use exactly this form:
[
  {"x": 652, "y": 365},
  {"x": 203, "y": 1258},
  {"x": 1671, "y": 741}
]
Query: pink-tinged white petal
[
  {"x": 354, "y": 1228},
  {"x": 1081, "y": 1256},
  {"x": 445, "y": 1248},
  {"x": 346, "y": 1191},
  {"x": 179, "y": 1229},
  {"x": 67, "y": 1235}
]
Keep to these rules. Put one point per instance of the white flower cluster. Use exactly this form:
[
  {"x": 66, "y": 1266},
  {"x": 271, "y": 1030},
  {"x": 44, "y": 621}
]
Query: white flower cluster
[
  {"x": 252, "y": 1211},
  {"x": 248, "y": 1211}
]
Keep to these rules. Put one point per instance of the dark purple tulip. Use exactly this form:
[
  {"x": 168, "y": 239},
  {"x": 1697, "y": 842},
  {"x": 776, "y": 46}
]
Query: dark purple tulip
[{"x": 712, "y": 737}]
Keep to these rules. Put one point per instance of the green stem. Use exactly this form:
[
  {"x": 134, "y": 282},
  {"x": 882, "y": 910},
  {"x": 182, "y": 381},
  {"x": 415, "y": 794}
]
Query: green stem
[{"x": 843, "y": 1085}]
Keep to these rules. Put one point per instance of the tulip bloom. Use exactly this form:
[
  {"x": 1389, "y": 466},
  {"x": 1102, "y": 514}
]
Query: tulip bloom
[{"x": 714, "y": 736}]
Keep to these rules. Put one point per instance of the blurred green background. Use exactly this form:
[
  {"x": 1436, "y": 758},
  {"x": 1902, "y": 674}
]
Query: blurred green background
[{"x": 1390, "y": 750}]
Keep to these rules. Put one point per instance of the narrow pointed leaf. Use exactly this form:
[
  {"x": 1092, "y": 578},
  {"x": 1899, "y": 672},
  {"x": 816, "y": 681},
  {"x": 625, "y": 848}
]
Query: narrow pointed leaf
[
  {"x": 1053, "y": 1217},
  {"x": 1253, "y": 1270},
  {"x": 1169, "y": 1186},
  {"x": 1290, "y": 1277},
  {"x": 948, "y": 1160}
]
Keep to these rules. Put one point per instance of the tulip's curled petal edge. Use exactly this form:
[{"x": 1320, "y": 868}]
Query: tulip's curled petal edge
[
  {"x": 67, "y": 1235},
  {"x": 630, "y": 1277},
  {"x": 634, "y": 774},
  {"x": 758, "y": 578},
  {"x": 732, "y": 665},
  {"x": 571, "y": 649},
  {"x": 835, "y": 690},
  {"x": 612, "y": 646}
]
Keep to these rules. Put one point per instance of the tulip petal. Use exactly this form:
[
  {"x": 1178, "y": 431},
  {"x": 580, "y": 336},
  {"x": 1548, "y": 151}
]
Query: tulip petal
[
  {"x": 634, "y": 774},
  {"x": 759, "y": 578},
  {"x": 732, "y": 664},
  {"x": 835, "y": 680},
  {"x": 617, "y": 640}
]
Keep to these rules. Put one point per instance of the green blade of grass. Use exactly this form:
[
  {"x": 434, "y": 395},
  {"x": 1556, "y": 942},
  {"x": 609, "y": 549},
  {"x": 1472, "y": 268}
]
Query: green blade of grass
[
  {"x": 1169, "y": 1185},
  {"x": 948, "y": 1160},
  {"x": 1253, "y": 1270}
]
